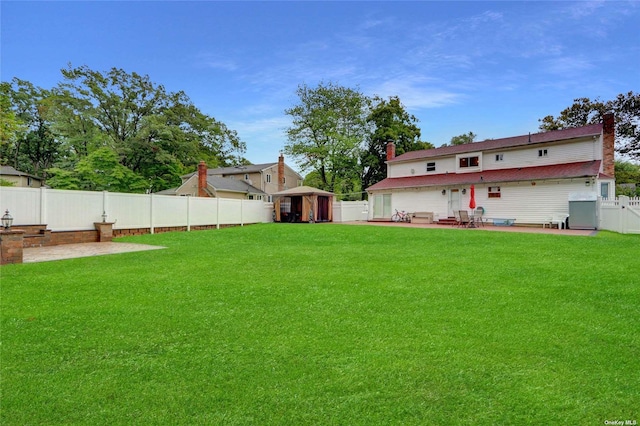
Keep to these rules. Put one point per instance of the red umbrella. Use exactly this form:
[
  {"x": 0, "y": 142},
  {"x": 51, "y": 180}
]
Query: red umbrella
[{"x": 472, "y": 201}]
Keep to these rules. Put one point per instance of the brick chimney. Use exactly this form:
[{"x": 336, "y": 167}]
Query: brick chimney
[
  {"x": 608, "y": 144},
  {"x": 391, "y": 150},
  {"x": 281, "y": 172},
  {"x": 202, "y": 179}
]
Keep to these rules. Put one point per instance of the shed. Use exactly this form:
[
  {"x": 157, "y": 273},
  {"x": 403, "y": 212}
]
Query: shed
[{"x": 303, "y": 204}]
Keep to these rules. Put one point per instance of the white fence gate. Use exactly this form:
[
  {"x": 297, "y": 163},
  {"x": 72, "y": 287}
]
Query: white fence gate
[
  {"x": 620, "y": 215},
  {"x": 63, "y": 210}
]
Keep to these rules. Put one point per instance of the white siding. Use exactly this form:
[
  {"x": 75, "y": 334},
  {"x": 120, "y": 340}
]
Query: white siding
[
  {"x": 419, "y": 167},
  {"x": 557, "y": 153}
]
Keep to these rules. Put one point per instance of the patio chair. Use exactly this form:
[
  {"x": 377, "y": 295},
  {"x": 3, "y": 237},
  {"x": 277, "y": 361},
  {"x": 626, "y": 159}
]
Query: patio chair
[
  {"x": 477, "y": 216},
  {"x": 456, "y": 214},
  {"x": 464, "y": 218},
  {"x": 559, "y": 219}
]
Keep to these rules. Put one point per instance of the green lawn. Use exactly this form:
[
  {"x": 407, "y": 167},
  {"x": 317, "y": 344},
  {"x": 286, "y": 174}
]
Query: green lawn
[{"x": 327, "y": 324}]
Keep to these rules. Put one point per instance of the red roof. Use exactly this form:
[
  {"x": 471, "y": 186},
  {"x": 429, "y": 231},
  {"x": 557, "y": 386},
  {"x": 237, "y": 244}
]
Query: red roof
[
  {"x": 557, "y": 171},
  {"x": 493, "y": 144}
]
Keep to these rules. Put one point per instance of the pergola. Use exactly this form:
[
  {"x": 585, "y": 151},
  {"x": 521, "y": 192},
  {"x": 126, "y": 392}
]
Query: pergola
[{"x": 303, "y": 204}]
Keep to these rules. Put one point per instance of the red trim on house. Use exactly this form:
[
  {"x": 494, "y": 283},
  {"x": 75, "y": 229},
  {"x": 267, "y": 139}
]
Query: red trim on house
[{"x": 556, "y": 171}]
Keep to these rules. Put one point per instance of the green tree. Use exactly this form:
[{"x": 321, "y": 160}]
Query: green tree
[
  {"x": 156, "y": 134},
  {"x": 99, "y": 171},
  {"x": 11, "y": 127},
  {"x": 328, "y": 128},
  {"x": 463, "y": 139},
  {"x": 626, "y": 108},
  {"x": 627, "y": 174},
  {"x": 389, "y": 121},
  {"x": 31, "y": 145}
]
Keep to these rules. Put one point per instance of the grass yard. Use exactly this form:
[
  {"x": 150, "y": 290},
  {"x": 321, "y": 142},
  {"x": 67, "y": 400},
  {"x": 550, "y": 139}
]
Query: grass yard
[{"x": 327, "y": 324}]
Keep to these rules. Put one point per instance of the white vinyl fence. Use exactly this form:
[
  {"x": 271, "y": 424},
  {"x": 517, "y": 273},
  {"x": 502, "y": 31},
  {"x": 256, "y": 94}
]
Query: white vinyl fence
[
  {"x": 620, "y": 215},
  {"x": 349, "y": 211},
  {"x": 63, "y": 210}
]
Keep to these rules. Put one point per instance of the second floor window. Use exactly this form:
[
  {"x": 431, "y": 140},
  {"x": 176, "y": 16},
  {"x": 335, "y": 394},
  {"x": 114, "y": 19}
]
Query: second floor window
[
  {"x": 542, "y": 153},
  {"x": 268, "y": 178},
  {"x": 469, "y": 161},
  {"x": 431, "y": 167}
]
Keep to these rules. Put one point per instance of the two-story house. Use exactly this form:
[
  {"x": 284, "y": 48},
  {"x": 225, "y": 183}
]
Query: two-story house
[
  {"x": 528, "y": 178},
  {"x": 252, "y": 181}
]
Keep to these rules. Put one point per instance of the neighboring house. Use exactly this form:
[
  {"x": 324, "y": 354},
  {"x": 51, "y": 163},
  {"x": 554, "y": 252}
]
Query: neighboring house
[
  {"x": 528, "y": 178},
  {"x": 267, "y": 178},
  {"x": 201, "y": 184},
  {"x": 20, "y": 179}
]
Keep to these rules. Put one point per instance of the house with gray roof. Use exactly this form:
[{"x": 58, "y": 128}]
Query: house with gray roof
[{"x": 20, "y": 179}]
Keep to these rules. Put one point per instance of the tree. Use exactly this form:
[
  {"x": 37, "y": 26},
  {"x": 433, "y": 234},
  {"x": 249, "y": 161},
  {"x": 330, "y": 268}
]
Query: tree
[
  {"x": 328, "y": 127},
  {"x": 156, "y": 134},
  {"x": 626, "y": 108},
  {"x": 463, "y": 139},
  {"x": 627, "y": 175},
  {"x": 30, "y": 144},
  {"x": 99, "y": 171},
  {"x": 390, "y": 122}
]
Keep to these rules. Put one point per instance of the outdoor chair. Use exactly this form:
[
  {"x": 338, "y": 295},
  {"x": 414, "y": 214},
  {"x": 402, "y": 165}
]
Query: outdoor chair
[
  {"x": 456, "y": 214},
  {"x": 464, "y": 218},
  {"x": 477, "y": 216},
  {"x": 559, "y": 219}
]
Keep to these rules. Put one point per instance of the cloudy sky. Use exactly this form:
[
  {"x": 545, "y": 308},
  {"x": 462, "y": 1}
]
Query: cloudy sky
[{"x": 493, "y": 68}]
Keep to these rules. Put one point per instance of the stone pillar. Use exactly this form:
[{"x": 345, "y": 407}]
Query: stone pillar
[
  {"x": 105, "y": 231},
  {"x": 11, "y": 245}
]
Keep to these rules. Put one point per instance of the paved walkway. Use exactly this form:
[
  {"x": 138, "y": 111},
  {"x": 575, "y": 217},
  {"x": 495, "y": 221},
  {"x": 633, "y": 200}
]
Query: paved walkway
[{"x": 69, "y": 251}]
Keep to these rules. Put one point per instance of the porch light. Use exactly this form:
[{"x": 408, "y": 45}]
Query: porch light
[
  {"x": 464, "y": 191},
  {"x": 104, "y": 216},
  {"x": 7, "y": 220},
  {"x": 444, "y": 192}
]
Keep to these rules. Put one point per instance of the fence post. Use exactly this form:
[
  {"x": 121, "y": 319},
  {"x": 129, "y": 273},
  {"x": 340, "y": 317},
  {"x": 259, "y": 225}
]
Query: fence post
[
  {"x": 241, "y": 215},
  {"x": 217, "y": 212},
  {"x": 624, "y": 213},
  {"x": 151, "y": 213},
  {"x": 188, "y": 213},
  {"x": 43, "y": 206}
]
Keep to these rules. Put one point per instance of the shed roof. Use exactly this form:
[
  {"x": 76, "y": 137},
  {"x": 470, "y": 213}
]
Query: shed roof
[
  {"x": 556, "y": 171},
  {"x": 302, "y": 190}
]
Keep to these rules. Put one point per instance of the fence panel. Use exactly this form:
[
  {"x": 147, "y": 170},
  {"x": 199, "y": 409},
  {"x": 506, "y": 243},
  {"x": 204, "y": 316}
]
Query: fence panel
[
  {"x": 348, "y": 211},
  {"x": 23, "y": 204},
  {"x": 73, "y": 210},
  {"x": 203, "y": 211},
  {"x": 169, "y": 210},
  {"x": 128, "y": 210}
]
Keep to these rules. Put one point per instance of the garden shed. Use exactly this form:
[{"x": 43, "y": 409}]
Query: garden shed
[{"x": 303, "y": 204}]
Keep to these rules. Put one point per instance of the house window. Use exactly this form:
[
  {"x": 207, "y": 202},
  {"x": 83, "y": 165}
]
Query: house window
[
  {"x": 604, "y": 189},
  {"x": 29, "y": 181},
  {"x": 542, "y": 153},
  {"x": 431, "y": 167},
  {"x": 499, "y": 157},
  {"x": 469, "y": 161},
  {"x": 246, "y": 177},
  {"x": 494, "y": 192},
  {"x": 284, "y": 179},
  {"x": 268, "y": 178}
]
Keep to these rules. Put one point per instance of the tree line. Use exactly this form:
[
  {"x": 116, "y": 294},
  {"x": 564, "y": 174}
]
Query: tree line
[
  {"x": 121, "y": 132},
  {"x": 111, "y": 130}
]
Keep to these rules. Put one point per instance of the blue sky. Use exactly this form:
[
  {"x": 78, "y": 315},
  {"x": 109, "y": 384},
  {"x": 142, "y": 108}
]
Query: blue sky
[{"x": 493, "y": 68}]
